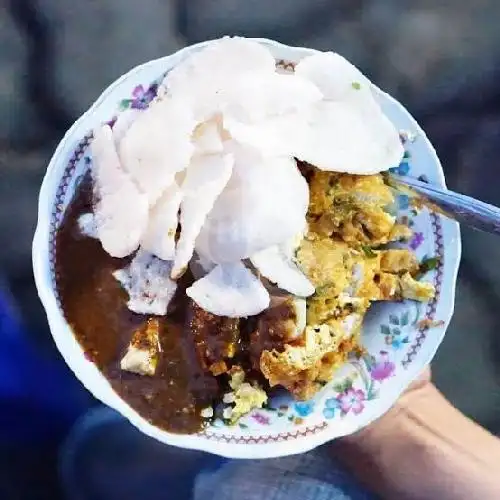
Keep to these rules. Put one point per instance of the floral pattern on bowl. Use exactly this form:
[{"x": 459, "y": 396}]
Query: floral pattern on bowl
[{"x": 397, "y": 347}]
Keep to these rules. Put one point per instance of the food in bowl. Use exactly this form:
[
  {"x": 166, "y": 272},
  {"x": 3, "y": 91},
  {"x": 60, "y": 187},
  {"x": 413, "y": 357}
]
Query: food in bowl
[{"x": 230, "y": 238}]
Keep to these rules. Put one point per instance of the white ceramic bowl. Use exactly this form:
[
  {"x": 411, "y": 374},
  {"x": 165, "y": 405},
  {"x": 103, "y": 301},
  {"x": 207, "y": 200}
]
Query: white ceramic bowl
[{"x": 363, "y": 390}]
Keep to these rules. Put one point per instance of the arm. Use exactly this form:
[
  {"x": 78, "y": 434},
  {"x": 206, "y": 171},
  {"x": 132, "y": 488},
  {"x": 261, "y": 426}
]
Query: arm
[{"x": 424, "y": 449}]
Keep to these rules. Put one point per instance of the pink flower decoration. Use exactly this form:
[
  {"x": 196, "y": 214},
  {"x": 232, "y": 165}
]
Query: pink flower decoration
[
  {"x": 261, "y": 419},
  {"x": 351, "y": 399},
  {"x": 383, "y": 368}
]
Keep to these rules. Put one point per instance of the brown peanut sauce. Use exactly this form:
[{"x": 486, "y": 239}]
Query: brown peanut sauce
[
  {"x": 94, "y": 305},
  {"x": 192, "y": 341}
]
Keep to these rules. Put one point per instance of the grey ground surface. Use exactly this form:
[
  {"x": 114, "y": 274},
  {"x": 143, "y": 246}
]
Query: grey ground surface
[{"x": 442, "y": 61}]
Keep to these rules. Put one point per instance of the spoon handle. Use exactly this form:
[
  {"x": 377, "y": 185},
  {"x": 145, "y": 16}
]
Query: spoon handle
[{"x": 464, "y": 209}]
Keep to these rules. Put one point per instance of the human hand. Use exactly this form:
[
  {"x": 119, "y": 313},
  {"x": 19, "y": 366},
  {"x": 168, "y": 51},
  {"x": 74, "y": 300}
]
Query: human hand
[{"x": 423, "y": 448}]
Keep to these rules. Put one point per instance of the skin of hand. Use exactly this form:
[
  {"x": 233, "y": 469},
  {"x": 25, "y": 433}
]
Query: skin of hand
[{"x": 424, "y": 449}]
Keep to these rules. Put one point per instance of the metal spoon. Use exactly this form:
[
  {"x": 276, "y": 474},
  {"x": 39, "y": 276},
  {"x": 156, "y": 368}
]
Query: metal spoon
[{"x": 464, "y": 209}]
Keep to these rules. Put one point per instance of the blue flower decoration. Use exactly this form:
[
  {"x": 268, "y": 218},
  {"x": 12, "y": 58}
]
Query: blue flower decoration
[
  {"x": 398, "y": 342},
  {"x": 304, "y": 409},
  {"x": 218, "y": 423},
  {"x": 331, "y": 407},
  {"x": 402, "y": 169}
]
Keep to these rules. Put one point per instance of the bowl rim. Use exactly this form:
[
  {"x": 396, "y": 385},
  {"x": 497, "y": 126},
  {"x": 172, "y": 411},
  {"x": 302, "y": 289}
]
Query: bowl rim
[{"x": 303, "y": 440}]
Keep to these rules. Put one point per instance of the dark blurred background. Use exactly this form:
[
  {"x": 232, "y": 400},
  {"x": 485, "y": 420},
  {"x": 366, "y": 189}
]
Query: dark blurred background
[{"x": 442, "y": 59}]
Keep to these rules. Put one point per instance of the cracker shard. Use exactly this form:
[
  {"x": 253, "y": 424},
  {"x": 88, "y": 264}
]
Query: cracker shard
[
  {"x": 159, "y": 237},
  {"x": 230, "y": 290},
  {"x": 205, "y": 78},
  {"x": 121, "y": 210},
  {"x": 273, "y": 264},
  {"x": 87, "y": 225},
  {"x": 205, "y": 179},
  {"x": 147, "y": 282},
  {"x": 143, "y": 350},
  {"x": 244, "y": 219},
  {"x": 157, "y": 146},
  {"x": 347, "y": 121}
]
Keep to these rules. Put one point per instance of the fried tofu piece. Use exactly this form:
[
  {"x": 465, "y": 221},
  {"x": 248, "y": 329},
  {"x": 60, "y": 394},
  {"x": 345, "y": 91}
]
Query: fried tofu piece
[
  {"x": 376, "y": 226},
  {"x": 334, "y": 360},
  {"x": 303, "y": 370},
  {"x": 377, "y": 278},
  {"x": 283, "y": 322},
  {"x": 398, "y": 261},
  {"x": 325, "y": 305},
  {"x": 400, "y": 232},
  {"x": 377, "y": 285},
  {"x": 338, "y": 270},
  {"x": 322, "y": 306},
  {"x": 364, "y": 282},
  {"x": 285, "y": 319},
  {"x": 296, "y": 358},
  {"x": 287, "y": 367},
  {"x": 309, "y": 382},
  {"x": 143, "y": 351},
  {"x": 416, "y": 290},
  {"x": 388, "y": 286},
  {"x": 326, "y": 262}
]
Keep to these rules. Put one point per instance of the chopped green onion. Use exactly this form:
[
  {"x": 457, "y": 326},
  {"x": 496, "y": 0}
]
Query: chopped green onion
[
  {"x": 368, "y": 251},
  {"x": 356, "y": 85},
  {"x": 427, "y": 264}
]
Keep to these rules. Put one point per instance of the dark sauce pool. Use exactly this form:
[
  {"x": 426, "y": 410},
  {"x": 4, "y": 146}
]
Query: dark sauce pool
[{"x": 94, "y": 305}]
